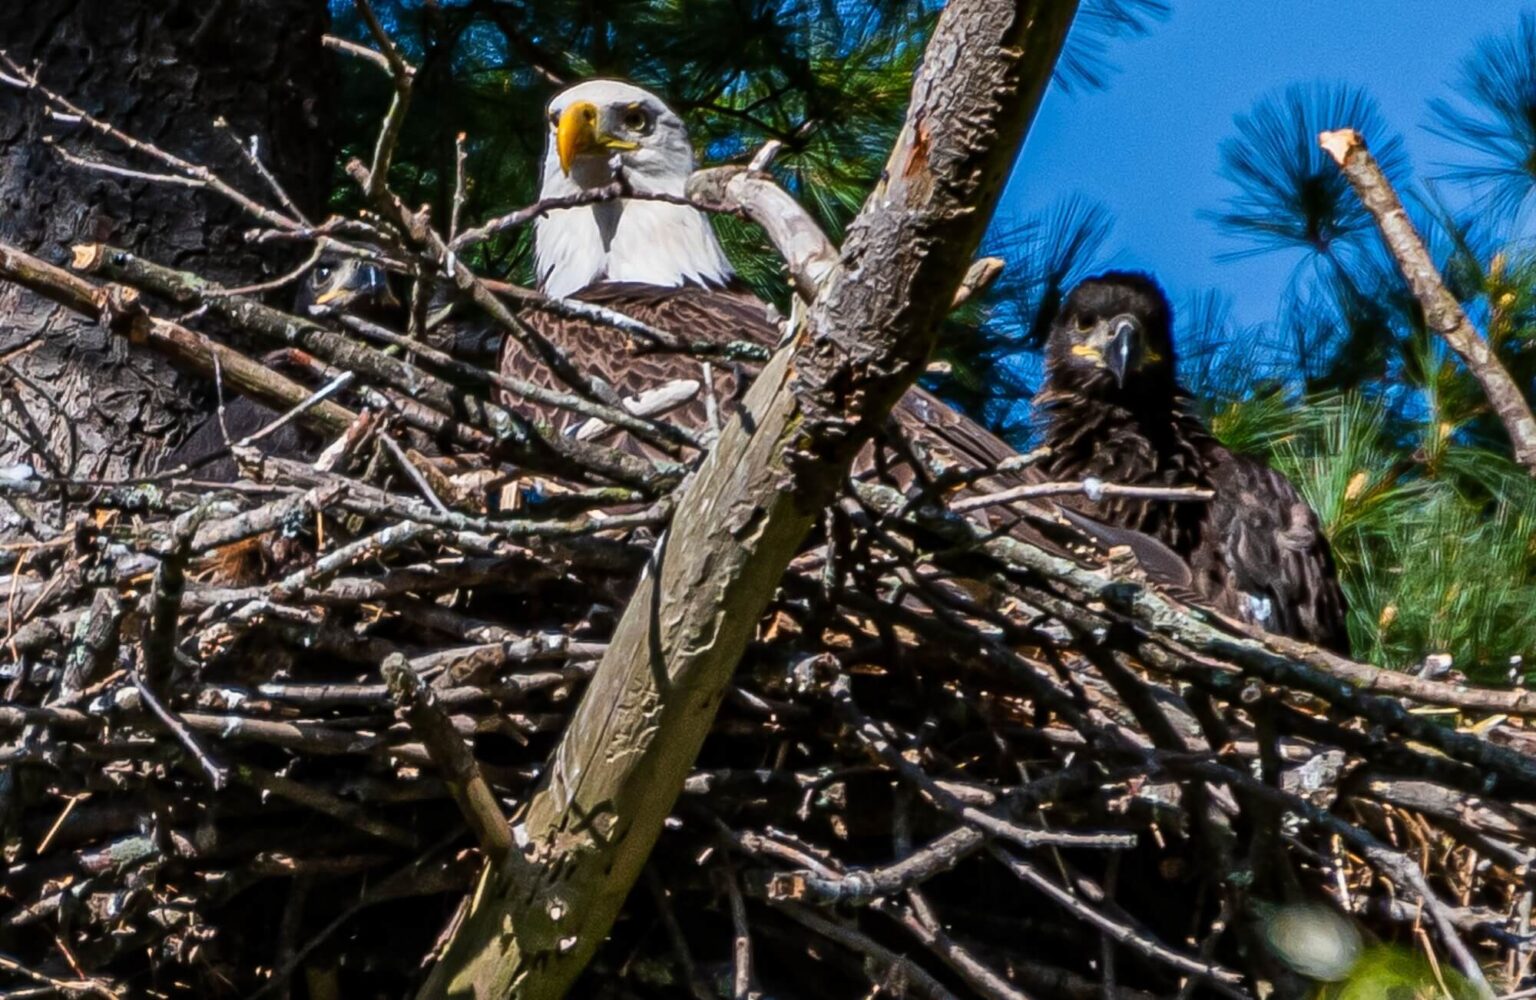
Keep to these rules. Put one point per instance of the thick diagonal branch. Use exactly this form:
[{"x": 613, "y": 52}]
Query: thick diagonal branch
[
  {"x": 617, "y": 770},
  {"x": 119, "y": 309}
]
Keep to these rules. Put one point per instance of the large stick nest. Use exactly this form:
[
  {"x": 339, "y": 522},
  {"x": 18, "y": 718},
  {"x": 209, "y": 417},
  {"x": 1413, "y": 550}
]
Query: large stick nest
[{"x": 244, "y": 723}]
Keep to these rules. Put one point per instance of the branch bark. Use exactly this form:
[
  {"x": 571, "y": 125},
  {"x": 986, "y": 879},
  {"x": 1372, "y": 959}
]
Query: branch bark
[
  {"x": 812, "y": 258},
  {"x": 535, "y": 920},
  {"x": 119, "y": 310},
  {"x": 1441, "y": 310}
]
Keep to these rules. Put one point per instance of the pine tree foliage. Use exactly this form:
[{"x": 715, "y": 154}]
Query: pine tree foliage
[
  {"x": 1289, "y": 192},
  {"x": 1388, "y": 435},
  {"x": 1496, "y": 118},
  {"x": 1433, "y": 538}
]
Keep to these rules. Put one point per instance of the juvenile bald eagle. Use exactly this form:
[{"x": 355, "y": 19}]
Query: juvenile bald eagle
[
  {"x": 334, "y": 284},
  {"x": 1114, "y": 410}
]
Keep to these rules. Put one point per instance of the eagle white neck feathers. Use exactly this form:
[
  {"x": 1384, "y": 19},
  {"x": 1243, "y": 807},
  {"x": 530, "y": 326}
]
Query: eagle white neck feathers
[{"x": 599, "y": 131}]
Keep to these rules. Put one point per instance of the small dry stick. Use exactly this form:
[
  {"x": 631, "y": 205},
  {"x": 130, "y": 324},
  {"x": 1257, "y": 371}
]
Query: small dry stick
[
  {"x": 460, "y": 187},
  {"x": 1224, "y": 981},
  {"x": 355, "y": 50},
  {"x": 401, "y": 74},
  {"x": 675, "y": 936},
  {"x": 865, "y": 885},
  {"x": 978, "y": 278},
  {"x": 218, "y": 774},
  {"x": 252, "y": 156},
  {"x": 899, "y": 968},
  {"x": 1441, "y": 310},
  {"x": 1091, "y": 488},
  {"x": 742, "y": 985},
  {"x": 253, "y": 289},
  {"x": 523, "y": 216},
  {"x": 446, "y": 747},
  {"x": 409, "y": 468},
  {"x": 62, "y": 987}
]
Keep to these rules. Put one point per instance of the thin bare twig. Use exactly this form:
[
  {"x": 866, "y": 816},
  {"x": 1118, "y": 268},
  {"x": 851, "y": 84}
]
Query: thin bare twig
[
  {"x": 902, "y": 976},
  {"x": 355, "y": 50},
  {"x": 186, "y": 169},
  {"x": 1091, "y": 488},
  {"x": 252, "y": 156},
  {"x": 402, "y": 74},
  {"x": 460, "y": 186}
]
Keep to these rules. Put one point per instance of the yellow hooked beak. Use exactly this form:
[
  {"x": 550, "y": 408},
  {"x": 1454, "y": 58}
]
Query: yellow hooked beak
[{"x": 578, "y": 132}]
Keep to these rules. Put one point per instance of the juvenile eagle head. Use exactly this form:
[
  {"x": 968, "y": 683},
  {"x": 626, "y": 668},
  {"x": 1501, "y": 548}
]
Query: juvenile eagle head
[
  {"x": 1113, "y": 338},
  {"x": 601, "y": 131},
  {"x": 339, "y": 283}
]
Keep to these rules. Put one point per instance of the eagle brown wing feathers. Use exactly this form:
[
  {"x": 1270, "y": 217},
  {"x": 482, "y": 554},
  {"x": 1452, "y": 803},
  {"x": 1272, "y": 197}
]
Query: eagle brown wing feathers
[{"x": 604, "y": 352}]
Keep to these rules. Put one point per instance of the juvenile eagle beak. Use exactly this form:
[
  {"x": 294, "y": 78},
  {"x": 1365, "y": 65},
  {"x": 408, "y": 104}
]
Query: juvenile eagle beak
[
  {"x": 1120, "y": 347},
  {"x": 579, "y": 131},
  {"x": 359, "y": 282}
]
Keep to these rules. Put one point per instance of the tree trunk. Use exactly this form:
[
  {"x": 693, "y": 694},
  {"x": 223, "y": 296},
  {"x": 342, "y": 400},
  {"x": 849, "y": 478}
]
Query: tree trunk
[
  {"x": 74, "y": 400},
  {"x": 539, "y": 914}
]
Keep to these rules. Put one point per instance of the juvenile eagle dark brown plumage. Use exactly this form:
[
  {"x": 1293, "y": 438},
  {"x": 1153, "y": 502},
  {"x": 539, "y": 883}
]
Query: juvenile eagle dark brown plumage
[{"x": 1114, "y": 411}]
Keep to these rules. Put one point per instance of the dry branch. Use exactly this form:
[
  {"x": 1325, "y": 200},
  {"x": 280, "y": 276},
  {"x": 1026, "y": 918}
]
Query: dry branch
[
  {"x": 1441, "y": 310},
  {"x": 447, "y": 748},
  {"x": 812, "y": 258},
  {"x": 119, "y": 310}
]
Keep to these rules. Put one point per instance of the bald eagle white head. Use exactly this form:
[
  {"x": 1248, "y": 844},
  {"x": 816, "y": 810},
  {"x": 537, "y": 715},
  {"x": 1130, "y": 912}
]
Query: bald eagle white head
[{"x": 601, "y": 131}]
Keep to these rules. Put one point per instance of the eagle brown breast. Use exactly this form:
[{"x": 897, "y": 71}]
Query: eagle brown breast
[
  {"x": 1256, "y": 551},
  {"x": 703, "y": 316}
]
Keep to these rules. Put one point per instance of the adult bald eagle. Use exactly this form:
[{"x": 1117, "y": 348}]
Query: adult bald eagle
[
  {"x": 1114, "y": 410},
  {"x": 659, "y": 262}
]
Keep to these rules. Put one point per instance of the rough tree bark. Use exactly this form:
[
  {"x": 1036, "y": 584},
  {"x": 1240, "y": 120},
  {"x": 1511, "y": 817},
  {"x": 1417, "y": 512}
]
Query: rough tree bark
[
  {"x": 535, "y": 920},
  {"x": 74, "y": 400}
]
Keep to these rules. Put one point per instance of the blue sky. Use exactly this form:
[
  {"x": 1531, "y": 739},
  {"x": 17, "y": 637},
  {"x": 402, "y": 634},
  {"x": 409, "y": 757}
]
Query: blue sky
[{"x": 1148, "y": 145}]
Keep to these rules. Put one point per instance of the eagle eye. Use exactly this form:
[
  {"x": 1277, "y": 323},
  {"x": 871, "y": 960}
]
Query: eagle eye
[
  {"x": 323, "y": 273},
  {"x": 554, "y": 119},
  {"x": 1084, "y": 322},
  {"x": 636, "y": 119}
]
